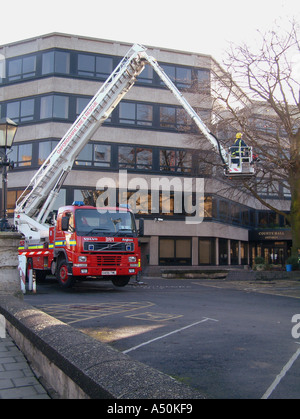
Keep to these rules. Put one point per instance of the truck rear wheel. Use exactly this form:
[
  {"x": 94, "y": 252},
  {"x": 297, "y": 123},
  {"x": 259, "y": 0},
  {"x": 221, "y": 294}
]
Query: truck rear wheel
[
  {"x": 64, "y": 279},
  {"x": 121, "y": 281}
]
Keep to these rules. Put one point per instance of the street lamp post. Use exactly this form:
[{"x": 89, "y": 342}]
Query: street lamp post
[{"x": 8, "y": 129}]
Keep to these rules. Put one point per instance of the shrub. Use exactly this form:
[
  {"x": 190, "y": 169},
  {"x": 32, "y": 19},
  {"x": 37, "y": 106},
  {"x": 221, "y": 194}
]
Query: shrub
[{"x": 259, "y": 260}]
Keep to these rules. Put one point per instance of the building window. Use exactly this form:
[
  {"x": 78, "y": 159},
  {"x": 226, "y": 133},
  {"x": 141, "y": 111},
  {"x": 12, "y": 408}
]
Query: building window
[
  {"x": 138, "y": 114},
  {"x": 21, "y": 68},
  {"x": 176, "y": 161},
  {"x": 234, "y": 252},
  {"x": 56, "y": 62},
  {"x": 174, "y": 118},
  {"x": 81, "y": 103},
  {"x": 21, "y": 111},
  {"x": 138, "y": 158},
  {"x": 207, "y": 251},
  {"x": 12, "y": 197},
  {"x": 54, "y": 106},
  {"x": 45, "y": 148},
  {"x": 224, "y": 211},
  {"x": 94, "y": 66},
  {"x": 94, "y": 154},
  {"x": 180, "y": 76},
  {"x": 146, "y": 75},
  {"x": 175, "y": 251},
  {"x": 223, "y": 252},
  {"x": 244, "y": 253},
  {"x": 21, "y": 154},
  {"x": 202, "y": 80}
]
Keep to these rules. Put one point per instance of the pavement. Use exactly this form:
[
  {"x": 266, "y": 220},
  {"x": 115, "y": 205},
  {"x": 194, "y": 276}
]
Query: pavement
[{"x": 17, "y": 380}]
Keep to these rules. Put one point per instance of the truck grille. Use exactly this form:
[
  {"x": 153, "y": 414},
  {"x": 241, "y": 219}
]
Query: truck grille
[
  {"x": 103, "y": 246},
  {"x": 106, "y": 260}
]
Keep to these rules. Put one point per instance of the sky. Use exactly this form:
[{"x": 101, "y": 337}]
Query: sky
[{"x": 201, "y": 26}]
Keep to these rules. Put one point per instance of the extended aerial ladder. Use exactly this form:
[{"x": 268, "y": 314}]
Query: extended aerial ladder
[{"x": 36, "y": 202}]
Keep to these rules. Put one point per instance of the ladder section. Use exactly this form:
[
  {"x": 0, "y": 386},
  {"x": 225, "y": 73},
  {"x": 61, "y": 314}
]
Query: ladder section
[
  {"x": 245, "y": 169},
  {"x": 188, "y": 108},
  {"x": 50, "y": 176}
]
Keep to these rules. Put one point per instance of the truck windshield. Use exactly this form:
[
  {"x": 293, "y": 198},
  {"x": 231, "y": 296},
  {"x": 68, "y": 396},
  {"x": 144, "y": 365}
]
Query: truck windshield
[{"x": 90, "y": 222}]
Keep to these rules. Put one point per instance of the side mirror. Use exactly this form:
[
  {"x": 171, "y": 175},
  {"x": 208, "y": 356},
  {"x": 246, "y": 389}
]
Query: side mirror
[
  {"x": 65, "y": 223},
  {"x": 141, "y": 227}
]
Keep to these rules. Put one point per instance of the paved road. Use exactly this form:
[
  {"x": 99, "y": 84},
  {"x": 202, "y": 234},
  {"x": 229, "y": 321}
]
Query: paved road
[{"x": 228, "y": 340}]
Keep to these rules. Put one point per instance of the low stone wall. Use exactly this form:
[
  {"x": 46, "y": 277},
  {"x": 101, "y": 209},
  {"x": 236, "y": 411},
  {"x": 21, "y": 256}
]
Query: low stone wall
[
  {"x": 77, "y": 366},
  {"x": 9, "y": 261}
]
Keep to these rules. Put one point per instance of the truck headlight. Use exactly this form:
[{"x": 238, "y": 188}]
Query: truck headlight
[
  {"x": 131, "y": 259},
  {"x": 81, "y": 258}
]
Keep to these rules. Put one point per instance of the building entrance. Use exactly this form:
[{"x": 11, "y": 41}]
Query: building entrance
[{"x": 274, "y": 255}]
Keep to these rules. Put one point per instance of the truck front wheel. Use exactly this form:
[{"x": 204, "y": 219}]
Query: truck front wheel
[
  {"x": 121, "y": 281},
  {"x": 64, "y": 279}
]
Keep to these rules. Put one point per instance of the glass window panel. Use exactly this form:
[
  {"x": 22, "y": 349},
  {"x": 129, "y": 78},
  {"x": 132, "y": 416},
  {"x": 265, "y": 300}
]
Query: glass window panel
[
  {"x": 183, "y": 77},
  {"x": 203, "y": 75},
  {"x": 223, "y": 252},
  {"x": 2, "y": 67},
  {"x": 170, "y": 71},
  {"x": 167, "y": 117},
  {"x": 184, "y": 161},
  {"x": 102, "y": 155},
  {"x": 27, "y": 110},
  {"x": 81, "y": 103},
  {"x": 224, "y": 210},
  {"x": 167, "y": 159},
  {"x": 206, "y": 251},
  {"x": 85, "y": 157},
  {"x": 45, "y": 148},
  {"x": 104, "y": 66},
  {"x": 11, "y": 201},
  {"x": 46, "y": 107},
  {"x": 86, "y": 65},
  {"x": 183, "y": 248},
  {"x": 147, "y": 75},
  {"x": 144, "y": 114},
  {"x": 127, "y": 113},
  {"x": 14, "y": 153},
  {"x": 167, "y": 248},
  {"x": 60, "y": 107},
  {"x": 166, "y": 203},
  {"x": 235, "y": 213},
  {"x": 29, "y": 66},
  {"x": 62, "y": 62},
  {"x": 203, "y": 80},
  {"x": 182, "y": 119},
  {"x": 143, "y": 158},
  {"x": 48, "y": 62},
  {"x": 234, "y": 252},
  {"x": 14, "y": 69},
  {"x": 12, "y": 110},
  {"x": 126, "y": 157},
  {"x": 25, "y": 155}
]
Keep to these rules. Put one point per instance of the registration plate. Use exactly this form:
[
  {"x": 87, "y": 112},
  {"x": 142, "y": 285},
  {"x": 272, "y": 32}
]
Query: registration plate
[{"x": 109, "y": 272}]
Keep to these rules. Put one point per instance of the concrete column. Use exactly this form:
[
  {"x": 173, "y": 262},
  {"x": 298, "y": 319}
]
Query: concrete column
[
  {"x": 154, "y": 249},
  {"x": 9, "y": 274},
  {"x": 195, "y": 251},
  {"x": 229, "y": 252},
  {"x": 217, "y": 251}
]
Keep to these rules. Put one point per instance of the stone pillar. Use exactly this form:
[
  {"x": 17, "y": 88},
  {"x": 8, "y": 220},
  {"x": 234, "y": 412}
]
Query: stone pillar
[{"x": 9, "y": 274}]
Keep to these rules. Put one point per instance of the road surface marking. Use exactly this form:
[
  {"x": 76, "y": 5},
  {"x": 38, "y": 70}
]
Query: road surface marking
[
  {"x": 280, "y": 376},
  {"x": 205, "y": 319}
]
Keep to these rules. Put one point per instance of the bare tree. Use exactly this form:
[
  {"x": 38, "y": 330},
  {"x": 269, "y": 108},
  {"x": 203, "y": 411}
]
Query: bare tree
[{"x": 258, "y": 94}]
